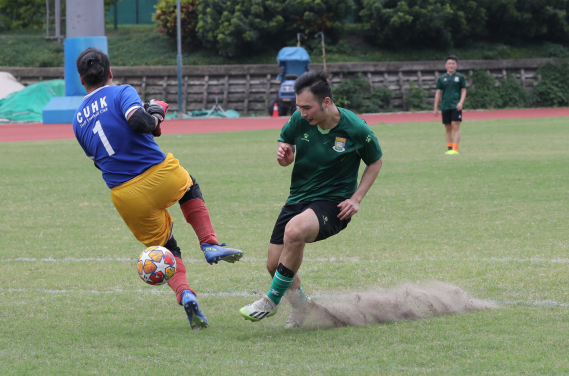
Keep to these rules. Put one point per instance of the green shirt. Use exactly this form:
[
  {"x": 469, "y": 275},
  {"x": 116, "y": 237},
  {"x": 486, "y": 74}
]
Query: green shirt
[
  {"x": 327, "y": 161},
  {"x": 451, "y": 85}
]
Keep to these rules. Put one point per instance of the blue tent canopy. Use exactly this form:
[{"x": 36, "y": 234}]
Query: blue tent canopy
[{"x": 292, "y": 60}]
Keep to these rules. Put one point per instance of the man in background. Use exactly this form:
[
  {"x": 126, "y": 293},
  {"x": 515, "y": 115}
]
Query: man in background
[{"x": 451, "y": 86}]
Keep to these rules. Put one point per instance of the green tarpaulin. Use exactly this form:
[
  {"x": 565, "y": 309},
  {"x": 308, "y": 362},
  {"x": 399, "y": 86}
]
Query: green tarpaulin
[{"x": 26, "y": 105}]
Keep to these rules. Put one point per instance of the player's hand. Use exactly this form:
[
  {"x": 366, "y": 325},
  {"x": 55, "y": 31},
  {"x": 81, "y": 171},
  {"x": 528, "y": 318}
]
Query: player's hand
[
  {"x": 285, "y": 155},
  {"x": 459, "y": 107},
  {"x": 348, "y": 208},
  {"x": 436, "y": 112},
  {"x": 157, "y": 132},
  {"x": 157, "y": 109}
]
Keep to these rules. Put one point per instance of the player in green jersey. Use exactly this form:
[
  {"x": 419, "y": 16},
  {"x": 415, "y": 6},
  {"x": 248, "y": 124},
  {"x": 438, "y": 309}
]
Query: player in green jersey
[
  {"x": 451, "y": 86},
  {"x": 329, "y": 142}
]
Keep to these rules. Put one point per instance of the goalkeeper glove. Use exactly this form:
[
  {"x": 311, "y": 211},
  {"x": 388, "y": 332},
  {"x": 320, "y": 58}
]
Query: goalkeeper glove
[{"x": 157, "y": 109}]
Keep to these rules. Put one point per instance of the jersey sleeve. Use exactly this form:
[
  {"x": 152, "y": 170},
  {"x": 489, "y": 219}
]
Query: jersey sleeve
[
  {"x": 439, "y": 83},
  {"x": 288, "y": 133},
  {"x": 370, "y": 151},
  {"x": 462, "y": 82},
  {"x": 129, "y": 100}
]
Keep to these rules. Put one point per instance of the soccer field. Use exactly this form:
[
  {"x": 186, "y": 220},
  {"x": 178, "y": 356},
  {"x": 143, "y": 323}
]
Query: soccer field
[{"x": 492, "y": 221}]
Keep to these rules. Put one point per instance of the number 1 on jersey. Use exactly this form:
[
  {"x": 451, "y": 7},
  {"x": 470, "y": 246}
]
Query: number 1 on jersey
[{"x": 98, "y": 129}]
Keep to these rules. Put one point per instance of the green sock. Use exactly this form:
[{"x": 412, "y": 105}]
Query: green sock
[{"x": 278, "y": 287}]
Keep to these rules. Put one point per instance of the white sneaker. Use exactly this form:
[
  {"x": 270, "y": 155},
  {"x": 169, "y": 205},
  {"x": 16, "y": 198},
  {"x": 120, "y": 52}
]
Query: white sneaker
[{"x": 260, "y": 309}]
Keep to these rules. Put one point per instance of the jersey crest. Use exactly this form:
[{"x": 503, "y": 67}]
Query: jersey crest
[
  {"x": 456, "y": 79},
  {"x": 339, "y": 145}
]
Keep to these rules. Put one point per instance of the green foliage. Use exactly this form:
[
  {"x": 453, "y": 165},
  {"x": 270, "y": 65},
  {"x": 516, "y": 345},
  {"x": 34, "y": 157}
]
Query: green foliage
[
  {"x": 166, "y": 21},
  {"x": 238, "y": 27},
  {"x": 439, "y": 23},
  {"x": 22, "y": 14},
  {"x": 553, "y": 90},
  {"x": 310, "y": 17},
  {"x": 487, "y": 93},
  {"x": 28, "y": 14},
  {"x": 446, "y": 23},
  {"x": 511, "y": 94},
  {"x": 355, "y": 94},
  {"x": 556, "y": 50},
  {"x": 527, "y": 19},
  {"x": 482, "y": 94},
  {"x": 415, "y": 98}
]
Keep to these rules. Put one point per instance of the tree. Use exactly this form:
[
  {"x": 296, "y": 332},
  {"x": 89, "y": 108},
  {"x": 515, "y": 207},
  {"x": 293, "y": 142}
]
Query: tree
[
  {"x": 438, "y": 23},
  {"x": 166, "y": 19}
]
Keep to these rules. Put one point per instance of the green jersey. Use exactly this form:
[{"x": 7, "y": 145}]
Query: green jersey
[
  {"x": 451, "y": 85},
  {"x": 327, "y": 161}
]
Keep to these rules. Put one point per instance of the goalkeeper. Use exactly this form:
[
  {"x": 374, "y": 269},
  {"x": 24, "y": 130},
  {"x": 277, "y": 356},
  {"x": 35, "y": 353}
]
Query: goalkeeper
[{"x": 117, "y": 132}]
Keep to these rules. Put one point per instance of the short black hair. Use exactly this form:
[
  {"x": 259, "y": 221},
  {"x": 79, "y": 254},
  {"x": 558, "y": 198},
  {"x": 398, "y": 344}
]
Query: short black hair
[
  {"x": 452, "y": 57},
  {"x": 93, "y": 66},
  {"x": 317, "y": 83}
]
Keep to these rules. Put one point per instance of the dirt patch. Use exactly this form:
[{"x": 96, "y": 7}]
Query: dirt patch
[{"x": 406, "y": 302}]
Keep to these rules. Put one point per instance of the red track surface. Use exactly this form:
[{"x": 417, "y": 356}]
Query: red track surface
[{"x": 38, "y": 131}]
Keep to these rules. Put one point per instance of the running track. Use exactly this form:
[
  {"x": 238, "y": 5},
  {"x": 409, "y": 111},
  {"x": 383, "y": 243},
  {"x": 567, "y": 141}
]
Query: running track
[{"x": 38, "y": 131}]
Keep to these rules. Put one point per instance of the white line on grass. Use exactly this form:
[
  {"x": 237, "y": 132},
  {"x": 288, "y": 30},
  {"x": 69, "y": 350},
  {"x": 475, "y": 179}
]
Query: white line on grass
[
  {"x": 307, "y": 259},
  {"x": 535, "y": 303}
]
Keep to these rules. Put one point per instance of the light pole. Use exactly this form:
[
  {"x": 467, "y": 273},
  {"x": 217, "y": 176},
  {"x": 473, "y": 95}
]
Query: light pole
[
  {"x": 298, "y": 35},
  {"x": 323, "y": 48},
  {"x": 179, "y": 32}
]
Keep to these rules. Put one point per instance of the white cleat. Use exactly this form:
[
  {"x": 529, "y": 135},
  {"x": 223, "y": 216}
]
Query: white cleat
[{"x": 260, "y": 309}]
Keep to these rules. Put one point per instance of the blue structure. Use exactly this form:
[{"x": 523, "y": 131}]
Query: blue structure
[
  {"x": 85, "y": 22},
  {"x": 293, "y": 62}
]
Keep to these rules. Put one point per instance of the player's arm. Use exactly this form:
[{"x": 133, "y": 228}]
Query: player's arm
[
  {"x": 148, "y": 119},
  {"x": 285, "y": 153},
  {"x": 351, "y": 206},
  {"x": 462, "y": 97},
  {"x": 437, "y": 99}
]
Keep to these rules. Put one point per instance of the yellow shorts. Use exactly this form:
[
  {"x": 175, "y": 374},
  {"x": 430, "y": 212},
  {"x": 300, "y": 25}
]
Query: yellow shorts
[{"x": 142, "y": 201}]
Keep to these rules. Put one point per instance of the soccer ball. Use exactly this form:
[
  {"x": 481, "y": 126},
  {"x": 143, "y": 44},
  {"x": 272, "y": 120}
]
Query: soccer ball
[{"x": 156, "y": 265}]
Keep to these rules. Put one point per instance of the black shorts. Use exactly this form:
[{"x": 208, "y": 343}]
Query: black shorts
[
  {"x": 326, "y": 211},
  {"x": 451, "y": 115}
]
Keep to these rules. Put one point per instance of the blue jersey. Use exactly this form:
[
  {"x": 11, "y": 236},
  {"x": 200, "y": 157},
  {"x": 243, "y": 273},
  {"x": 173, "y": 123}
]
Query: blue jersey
[{"x": 103, "y": 132}]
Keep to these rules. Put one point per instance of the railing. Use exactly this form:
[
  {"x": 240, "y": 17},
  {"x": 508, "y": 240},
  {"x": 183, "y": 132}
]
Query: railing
[{"x": 249, "y": 88}]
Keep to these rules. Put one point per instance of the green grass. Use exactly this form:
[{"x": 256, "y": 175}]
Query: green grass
[
  {"x": 492, "y": 220},
  {"x": 142, "y": 45}
]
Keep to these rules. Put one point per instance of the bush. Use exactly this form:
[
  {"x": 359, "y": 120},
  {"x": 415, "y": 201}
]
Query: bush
[
  {"x": 527, "y": 19},
  {"x": 482, "y": 94},
  {"x": 446, "y": 23},
  {"x": 553, "y": 89},
  {"x": 487, "y": 93},
  {"x": 439, "y": 23},
  {"x": 355, "y": 94},
  {"x": 28, "y": 14},
  {"x": 511, "y": 94},
  {"x": 415, "y": 98},
  {"x": 22, "y": 14},
  {"x": 238, "y": 27},
  {"x": 166, "y": 21}
]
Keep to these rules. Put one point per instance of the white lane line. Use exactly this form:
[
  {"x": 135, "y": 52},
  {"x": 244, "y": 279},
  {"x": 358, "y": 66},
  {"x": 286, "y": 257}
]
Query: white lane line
[
  {"x": 239, "y": 294},
  {"x": 307, "y": 259},
  {"x": 536, "y": 303}
]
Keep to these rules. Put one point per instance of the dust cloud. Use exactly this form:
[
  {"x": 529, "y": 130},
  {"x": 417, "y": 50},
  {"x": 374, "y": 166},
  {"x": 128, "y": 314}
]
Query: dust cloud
[{"x": 405, "y": 302}]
